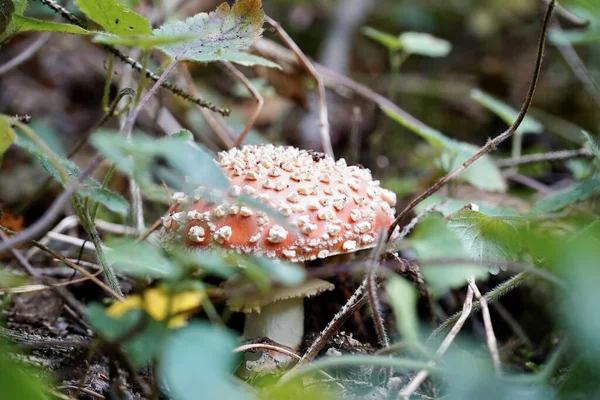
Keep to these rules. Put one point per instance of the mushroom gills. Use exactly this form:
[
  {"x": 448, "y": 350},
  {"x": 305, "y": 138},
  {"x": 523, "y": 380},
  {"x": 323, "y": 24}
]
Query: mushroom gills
[{"x": 281, "y": 321}]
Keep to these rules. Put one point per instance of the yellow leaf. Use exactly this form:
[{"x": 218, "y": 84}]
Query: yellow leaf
[{"x": 156, "y": 302}]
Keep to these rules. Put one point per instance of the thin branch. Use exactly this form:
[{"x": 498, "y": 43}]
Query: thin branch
[
  {"x": 540, "y": 157},
  {"x": 77, "y": 268},
  {"x": 568, "y": 52},
  {"x": 569, "y": 16},
  {"x": 489, "y": 328},
  {"x": 61, "y": 291},
  {"x": 491, "y": 296},
  {"x": 374, "y": 303},
  {"x": 491, "y": 144},
  {"x": 513, "y": 323},
  {"x": 260, "y": 101},
  {"x": 39, "y": 226},
  {"x": 528, "y": 182},
  {"x": 210, "y": 119},
  {"x": 358, "y": 360},
  {"x": 354, "y": 303},
  {"x": 135, "y": 64},
  {"x": 26, "y": 54},
  {"x": 420, "y": 377},
  {"x": 253, "y": 346},
  {"x": 306, "y": 63}
]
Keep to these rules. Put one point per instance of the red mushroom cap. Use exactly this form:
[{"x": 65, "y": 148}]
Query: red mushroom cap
[{"x": 336, "y": 208}]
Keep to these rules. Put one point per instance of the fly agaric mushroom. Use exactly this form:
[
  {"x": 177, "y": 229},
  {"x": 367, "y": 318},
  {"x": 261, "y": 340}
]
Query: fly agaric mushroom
[{"x": 337, "y": 209}]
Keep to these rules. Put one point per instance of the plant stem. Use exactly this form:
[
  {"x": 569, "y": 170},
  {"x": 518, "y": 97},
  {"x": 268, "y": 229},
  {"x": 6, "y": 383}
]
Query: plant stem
[
  {"x": 88, "y": 225},
  {"x": 107, "y": 84},
  {"x": 491, "y": 144},
  {"x": 348, "y": 361},
  {"x": 491, "y": 296}
]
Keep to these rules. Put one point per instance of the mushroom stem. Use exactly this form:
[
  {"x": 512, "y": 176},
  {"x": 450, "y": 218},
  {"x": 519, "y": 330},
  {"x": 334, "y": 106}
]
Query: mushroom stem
[{"x": 281, "y": 321}]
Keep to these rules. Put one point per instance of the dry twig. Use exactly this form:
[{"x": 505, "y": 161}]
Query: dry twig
[
  {"x": 489, "y": 329},
  {"x": 306, "y": 63},
  {"x": 491, "y": 144},
  {"x": 420, "y": 377},
  {"x": 260, "y": 101}
]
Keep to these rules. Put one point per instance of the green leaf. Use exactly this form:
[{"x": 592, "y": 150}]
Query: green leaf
[
  {"x": 486, "y": 237},
  {"x": 433, "y": 240},
  {"x": 592, "y": 144},
  {"x": 114, "y": 17},
  {"x": 483, "y": 173},
  {"x": 111, "y": 200},
  {"x": 575, "y": 38},
  {"x": 141, "y": 260},
  {"x": 280, "y": 271},
  {"x": 470, "y": 376},
  {"x": 19, "y": 381},
  {"x": 7, "y": 9},
  {"x": 403, "y": 298},
  {"x": 90, "y": 188},
  {"x": 577, "y": 263},
  {"x": 207, "y": 260},
  {"x": 136, "y": 157},
  {"x": 219, "y": 35},
  {"x": 448, "y": 205},
  {"x": 391, "y": 42},
  {"x": 200, "y": 357},
  {"x": 579, "y": 191},
  {"x": 506, "y": 112},
  {"x": 8, "y": 280},
  {"x": 142, "y": 347},
  {"x": 145, "y": 42},
  {"x": 26, "y": 24},
  {"x": 7, "y": 135},
  {"x": 424, "y": 44}
]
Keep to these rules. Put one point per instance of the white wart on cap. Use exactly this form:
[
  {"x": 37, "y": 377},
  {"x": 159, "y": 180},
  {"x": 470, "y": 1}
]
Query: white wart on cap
[{"x": 336, "y": 208}]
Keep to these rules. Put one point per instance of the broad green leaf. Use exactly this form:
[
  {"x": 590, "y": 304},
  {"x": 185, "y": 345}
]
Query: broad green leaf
[
  {"x": 142, "y": 347},
  {"x": 199, "y": 359},
  {"x": 577, "y": 263},
  {"x": 507, "y": 113},
  {"x": 219, "y": 35},
  {"x": 111, "y": 200},
  {"x": 90, "y": 188},
  {"x": 582, "y": 381},
  {"x": 210, "y": 261},
  {"x": 592, "y": 144},
  {"x": 19, "y": 381},
  {"x": 9, "y": 280},
  {"x": 579, "y": 191},
  {"x": 403, "y": 298},
  {"x": 280, "y": 271},
  {"x": 574, "y": 37},
  {"x": 7, "y": 8},
  {"x": 486, "y": 237},
  {"x": 471, "y": 376},
  {"x": 141, "y": 260},
  {"x": 424, "y": 44},
  {"x": 20, "y": 6},
  {"x": 185, "y": 158},
  {"x": 7, "y": 135},
  {"x": 391, "y": 42},
  {"x": 483, "y": 173},
  {"x": 145, "y": 42},
  {"x": 447, "y": 206},
  {"x": 432, "y": 240},
  {"x": 114, "y": 17},
  {"x": 26, "y": 24}
]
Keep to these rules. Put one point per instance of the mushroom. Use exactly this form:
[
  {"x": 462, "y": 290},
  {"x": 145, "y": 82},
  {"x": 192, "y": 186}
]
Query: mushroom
[{"x": 337, "y": 209}]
